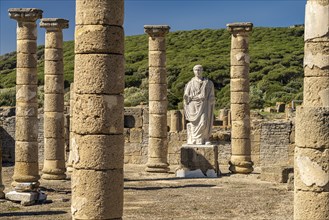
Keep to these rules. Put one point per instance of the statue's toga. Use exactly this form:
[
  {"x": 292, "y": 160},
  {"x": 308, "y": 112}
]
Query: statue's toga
[{"x": 199, "y": 100}]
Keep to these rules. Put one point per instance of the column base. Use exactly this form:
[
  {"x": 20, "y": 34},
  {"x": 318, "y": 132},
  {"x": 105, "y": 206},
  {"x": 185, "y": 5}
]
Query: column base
[
  {"x": 26, "y": 198},
  {"x": 54, "y": 170},
  {"x": 243, "y": 167},
  {"x": 49, "y": 176},
  {"x": 157, "y": 167}
]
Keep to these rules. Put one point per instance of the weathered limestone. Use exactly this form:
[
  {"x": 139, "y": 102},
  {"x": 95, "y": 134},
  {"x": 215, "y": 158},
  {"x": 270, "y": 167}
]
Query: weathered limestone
[
  {"x": 26, "y": 137},
  {"x": 2, "y": 187},
  {"x": 311, "y": 191},
  {"x": 69, "y": 164},
  {"x": 54, "y": 147},
  {"x": 158, "y": 149},
  {"x": 240, "y": 112},
  {"x": 175, "y": 121},
  {"x": 97, "y": 142}
]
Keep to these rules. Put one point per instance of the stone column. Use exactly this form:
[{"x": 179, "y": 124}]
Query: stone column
[
  {"x": 240, "y": 112},
  {"x": 69, "y": 164},
  {"x": 2, "y": 187},
  {"x": 175, "y": 121},
  {"x": 311, "y": 191},
  {"x": 26, "y": 134},
  {"x": 98, "y": 140},
  {"x": 54, "y": 143},
  {"x": 158, "y": 143}
]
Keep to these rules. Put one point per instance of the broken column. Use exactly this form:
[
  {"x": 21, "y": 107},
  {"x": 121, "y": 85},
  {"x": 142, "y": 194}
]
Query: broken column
[
  {"x": 158, "y": 143},
  {"x": 26, "y": 134},
  {"x": 54, "y": 143},
  {"x": 98, "y": 141},
  {"x": 240, "y": 112},
  {"x": 311, "y": 191},
  {"x": 175, "y": 121}
]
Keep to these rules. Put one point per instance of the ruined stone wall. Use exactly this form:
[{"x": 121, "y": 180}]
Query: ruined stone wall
[{"x": 272, "y": 143}]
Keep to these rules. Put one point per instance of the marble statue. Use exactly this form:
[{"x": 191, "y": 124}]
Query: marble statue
[{"x": 199, "y": 100}]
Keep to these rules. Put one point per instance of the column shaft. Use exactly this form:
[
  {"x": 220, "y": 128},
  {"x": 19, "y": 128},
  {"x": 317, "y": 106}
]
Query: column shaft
[
  {"x": 240, "y": 112},
  {"x": 54, "y": 143},
  {"x": 311, "y": 191},
  {"x": 97, "y": 124},
  {"x": 158, "y": 144},
  {"x": 26, "y": 134}
]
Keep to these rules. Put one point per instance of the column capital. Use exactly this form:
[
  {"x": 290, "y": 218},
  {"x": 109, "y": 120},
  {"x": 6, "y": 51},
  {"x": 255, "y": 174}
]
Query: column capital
[
  {"x": 53, "y": 24},
  {"x": 239, "y": 27},
  {"x": 156, "y": 30},
  {"x": 25, "y": 14}
]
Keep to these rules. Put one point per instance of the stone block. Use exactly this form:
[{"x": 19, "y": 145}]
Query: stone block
[
  {"x": 26, "y": 76},
  {"x": 239, "y": 85},
  {"x": 54, "y": 67},
  {"x": 157, "y": 59},
  {"x": 315, "y": 72},
  {"x": 25, "y": 198},
  {"x": 26, "y": 151},
  {"x": 97, "y": 151},
  {"x": 158, "y": 126},
  {"x": 26, "y": 172},
  {"x": 276, "y": 174},
  {"x": 53, "y": 103},
  {"x": 26, "y": 60},
  {"x": 158, "y": 92},
  {"x": 54, "y": 125},
  {"x": 132, "y": 149},
  {"x": 26, "y": 129},
  {"x": 158, "y": 107},
  {"x": 203, "y": 157},
  {"x": 99, "y": 39},
  {"x": 239, "y": 72},
  {"x": 311, "y": 205},
  {"x": 157, "y": 44},
  {"x": 311, "y": 169},
  {"x": 100, "y": 12},
  {"x": 240, "y": 112},
  {"x": 241, "y": 146},
  {"x": 96, "y": 73},
  {"x": 312, "y": 87},
  {"x": 240, "y": 57},
  {"x": 26, "y": 31},
  {"x": 158, "y": 147},
  {"x": 157, "y": 75},
  {"x": 239, "y": 97},
  {"x": 24, "y": 109},
  {"x": 54, "y": 84},
  {"x": 27, "y": 46},
  {"x": 52, "y": 39},
  {"x": 103, "y": 114},
  {"x": 54, "y": 148},
  {"x": 92, "y": 187},
  {"x": 239, "y": 42},
  {"x": 26, "y": 93},
  {"x": 241, "y": 129},
  {"x": 145, "y": 116},
  {"x": 312, "y": 127},
  {"x": 53, "y": 54},
  {"x": 136, "y": 135}
]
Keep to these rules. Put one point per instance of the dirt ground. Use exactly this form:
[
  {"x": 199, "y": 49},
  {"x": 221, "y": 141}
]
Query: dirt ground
[{"x": 162, "y": 196}]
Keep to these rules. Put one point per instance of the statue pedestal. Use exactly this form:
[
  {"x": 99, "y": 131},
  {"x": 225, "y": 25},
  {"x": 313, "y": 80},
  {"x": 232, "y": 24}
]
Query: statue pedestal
[{"x": 199, "y": 161}]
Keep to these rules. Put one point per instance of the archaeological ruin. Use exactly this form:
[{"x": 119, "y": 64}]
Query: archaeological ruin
[{"x": 100, "y": 159}]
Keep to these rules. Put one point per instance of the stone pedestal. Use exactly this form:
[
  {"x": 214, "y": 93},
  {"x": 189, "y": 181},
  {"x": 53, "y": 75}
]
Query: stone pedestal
[
  {"x": 311, "y": 191},
  {"x": 26, "y": 134},
  {"x": 240, "y": 112},
  {"x": 98, "y": 141},
  {"x": 158, "y": 143},
  {"x": 54, "y": 143},
  {"x": 198, "y": 161}
]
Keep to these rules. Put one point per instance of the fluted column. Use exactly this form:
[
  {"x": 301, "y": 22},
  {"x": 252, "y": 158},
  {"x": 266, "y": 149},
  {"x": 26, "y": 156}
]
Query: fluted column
[
  {"x": 26, "y": 134},
  {"x": 98, "y": 141},
  {"x": 240, "y": 111},
  {"x": 54, "y": 143},
  {"x": 158, "y": 143},
  {"x": 311, "y": 191}
]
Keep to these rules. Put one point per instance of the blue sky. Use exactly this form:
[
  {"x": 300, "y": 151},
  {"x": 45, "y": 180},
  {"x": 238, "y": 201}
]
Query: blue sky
[{"x": 179, "y": 14}]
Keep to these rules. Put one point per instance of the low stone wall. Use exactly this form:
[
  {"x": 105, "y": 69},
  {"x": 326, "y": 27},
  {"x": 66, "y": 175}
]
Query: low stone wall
[{"x": 272, "y": 142}]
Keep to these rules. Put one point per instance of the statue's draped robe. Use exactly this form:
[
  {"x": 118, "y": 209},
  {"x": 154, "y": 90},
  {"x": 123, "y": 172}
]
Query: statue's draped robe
[{"x": 199, "y": 99}]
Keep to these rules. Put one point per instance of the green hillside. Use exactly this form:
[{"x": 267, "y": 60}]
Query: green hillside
[{"x": 276, "y": 68}]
